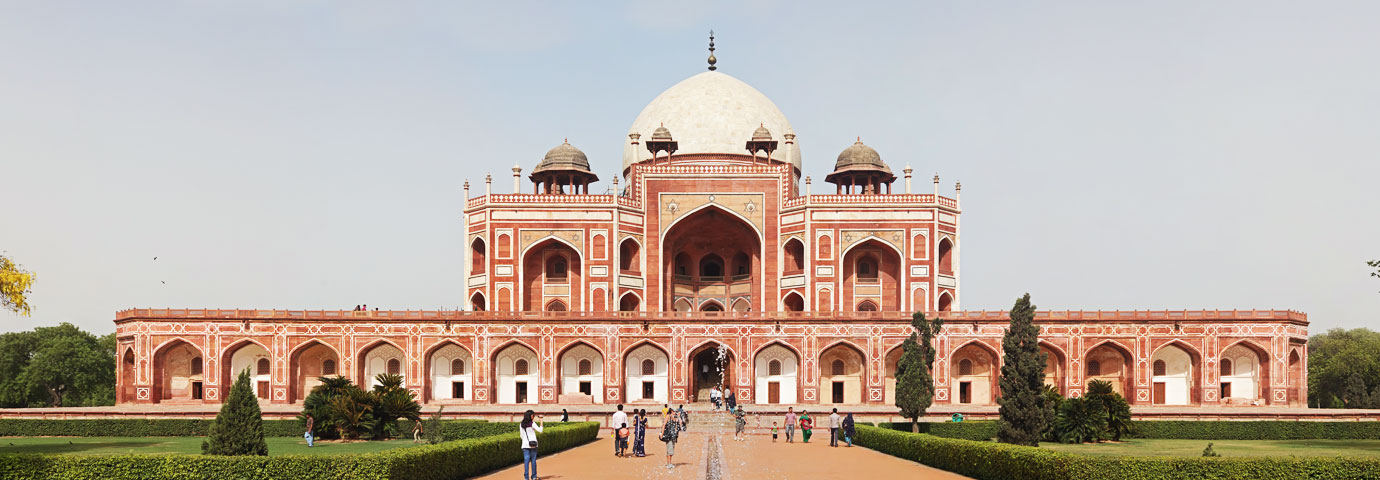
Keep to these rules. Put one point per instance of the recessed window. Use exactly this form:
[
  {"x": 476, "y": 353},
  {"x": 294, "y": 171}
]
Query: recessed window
[
  {"x": 774, "y": 367},
  {"x": 394, "y": 367},
  {"x": 262, "y": 366},
  {"x": 837, "y": 367},
  {"x": 585, "y": 367},
  {"x": 1159, "y": 367},
  {"x": 648, "y": 367},
  {"x": 520, "y": 367},
  {"x": 965, "y": 367},
  {"x": 196, "y": 366},
  {"x": 457, "y": 367},
  {"x": 328, "y": 367},
  {"x": 1094, "y": 368},
  {"x": 1226, "y": 367}
]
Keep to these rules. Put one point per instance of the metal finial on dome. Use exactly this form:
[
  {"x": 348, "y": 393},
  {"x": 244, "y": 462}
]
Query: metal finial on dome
[{"x": 712, "y": 60}]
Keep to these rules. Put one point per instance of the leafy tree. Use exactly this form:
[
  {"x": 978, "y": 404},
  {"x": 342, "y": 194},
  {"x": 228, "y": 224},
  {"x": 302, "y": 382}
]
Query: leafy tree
[
  {"x": 318, "y": 405},
  {"x": 432, "y": 431},
  {"x": 1376, "y": 265},
  {"x": 239, "y": 427},
  {"x": 1054, "y": 401},
  {"x": 1118, "y": 411},
  {"x": 1334, "y": 358},
  {"x": 1024, "y": 413},
  {"x": 56, "y": 366},
  {"x": 15, "y": 283},
  {"x": 343, "y": 410},
  {"x": 394, "y": 402},
  {"x": 914, "y": 381},
  {"x": 1081, "y": 420}
]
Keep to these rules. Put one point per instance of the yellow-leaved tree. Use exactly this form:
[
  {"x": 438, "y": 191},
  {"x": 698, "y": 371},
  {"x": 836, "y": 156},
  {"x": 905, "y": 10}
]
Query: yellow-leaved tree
[{"x": 14, "y": 286}]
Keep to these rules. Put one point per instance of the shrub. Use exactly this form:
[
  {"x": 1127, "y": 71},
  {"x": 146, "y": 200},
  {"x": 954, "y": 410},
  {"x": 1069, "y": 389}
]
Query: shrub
[
  {"x": 977, "y": 430},
  {"x": 342, "y": 409},
  {"x": 239, "y": 427},
  {"x": 1081, "y": 420},
  {"x": 1209, "y": 452},
  {"x": 1255, "y": 430},
  {"x": 992, "y": 461},
  {"x": 1117, "y": 410},
  {"x": 454, "y": 459}
]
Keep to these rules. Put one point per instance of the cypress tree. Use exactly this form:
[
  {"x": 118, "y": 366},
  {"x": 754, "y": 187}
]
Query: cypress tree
[
  {"x": 1024, "y": 412},
  {"x": 239, "y": 427},
  {"x": 914, "y": 382}
]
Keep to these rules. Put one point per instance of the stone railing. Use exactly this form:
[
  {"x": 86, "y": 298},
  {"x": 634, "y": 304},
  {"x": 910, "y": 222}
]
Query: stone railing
[{"x": 974, "y": 315}]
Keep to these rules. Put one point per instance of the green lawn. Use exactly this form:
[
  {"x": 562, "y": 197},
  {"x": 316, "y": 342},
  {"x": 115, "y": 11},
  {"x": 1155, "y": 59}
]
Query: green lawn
[
  {"x": 154, "y": 445},
  {"x": 1227, "y": 448}
]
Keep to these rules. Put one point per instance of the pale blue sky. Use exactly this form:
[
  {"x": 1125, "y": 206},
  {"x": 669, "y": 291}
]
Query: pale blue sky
[{"x": 309, "y": 154}]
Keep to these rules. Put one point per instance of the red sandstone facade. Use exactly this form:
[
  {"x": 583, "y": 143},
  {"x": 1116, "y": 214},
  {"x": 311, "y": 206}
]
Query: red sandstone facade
[{"x": 713, "y": 265}]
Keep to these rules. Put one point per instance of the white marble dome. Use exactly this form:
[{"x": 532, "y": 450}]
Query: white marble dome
[{"x": 711, "y": 113}]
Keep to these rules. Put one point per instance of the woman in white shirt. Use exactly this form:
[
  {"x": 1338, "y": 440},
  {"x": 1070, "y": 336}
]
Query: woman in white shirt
[{"x": 529, "y": 431}]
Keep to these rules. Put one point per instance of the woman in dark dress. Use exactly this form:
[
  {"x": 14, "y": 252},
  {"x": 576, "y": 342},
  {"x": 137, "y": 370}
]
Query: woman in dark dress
[
  {"x": 640, "y": 434},
  {"x": 848, "y": 431}
]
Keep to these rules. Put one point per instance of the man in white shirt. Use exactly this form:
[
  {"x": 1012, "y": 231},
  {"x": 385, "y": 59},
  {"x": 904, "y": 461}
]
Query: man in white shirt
[
  {"x": 617, "y": 422},
  {"x": 834, "y": 420}
]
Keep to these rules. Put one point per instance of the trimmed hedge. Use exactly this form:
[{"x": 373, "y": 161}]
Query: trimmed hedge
[
  {"x": 978, "y": 430},
  {"x": 1261, "y": 430},
  {"x": 1181, "y": 430},
  {"x": 454, "y": 459},
  {"x": 999, "y": 461},
  {"x": 451, "y": 429}
]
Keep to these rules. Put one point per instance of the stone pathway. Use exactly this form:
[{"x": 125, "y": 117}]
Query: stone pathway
[{"x": 752, "y": 459}]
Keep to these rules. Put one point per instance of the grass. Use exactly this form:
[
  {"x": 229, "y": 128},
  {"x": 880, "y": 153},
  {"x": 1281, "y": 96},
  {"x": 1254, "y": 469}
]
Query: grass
[
  {"x": 156, "y": 445},
  {"x": 1227, "y": 448}
]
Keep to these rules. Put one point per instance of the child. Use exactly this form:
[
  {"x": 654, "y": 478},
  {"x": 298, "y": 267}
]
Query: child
[{"x": 773, "y": 432}]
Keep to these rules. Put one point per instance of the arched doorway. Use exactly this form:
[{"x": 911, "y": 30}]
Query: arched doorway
[
  {"x": 307, "y": 364},
  {"x": 516, "y": 374},
  {"x": 1173, "y": 376},
  {"x": 1054, "y": 369},
  {"x": 1241, "y": 379},
  {"x": 893, "y": 358},
  {"x": 711, "y": 364},
  {"x": 477, "y": 302},
  {"x": 450, "y": 374},
  {"x": 382, "y": 357},
  {"x": 551, "y": 272},
  {"x": 646, "y": 369},
  {"x": 793, "y": 302},
  {"x": 250, "y": 356},
  {"x": 1110, "y": 363},
  {"x": 973, "y": 374},
  {"x": 842, "y": 373},
  {"x": 127, "y": 379},
  {"x": 694, "y": 251},
  {"x": 872, "y": 276},
  {"x": 1294, "y": 379},
  {"x": 180, "y": 376},
  {"x": 629, "y": 302},
  {"x": 778, "y": 373},
  {"x": 582, "y": 374},
  {"x": 628, "y": 261}
]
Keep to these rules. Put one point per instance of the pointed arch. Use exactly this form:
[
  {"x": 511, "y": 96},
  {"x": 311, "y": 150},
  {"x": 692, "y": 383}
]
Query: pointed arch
[
  {"x": 231, "y": 362},
  {"x": 366, "y": 369},
  {"x": 944, "y": 250},
  {"x": 511, "y": 385},
  {"x": 477, "y": 303},
  {"x": 572, "y": 379},
  {"x": 760, "y": 237},
  {"x": 1055, "y": 372},
  {"x": 1181, "y": 381},
  {"x": 639, "y": 383},
  {"x": 946, "y": 302},
  {"x": 630, "y": 301},
  {"x": 478, "y": 255},
  {"x": 711, "y": 306},
  {"x": 977, "y": 384},
  {"x": 629, "y": 256},
  {"x": 1246, "y": 382},
  {"x": 179, "y": 371},
  {"x": 843, "y": 373},
  {"x": 778, "y": 385},
  {"x": 440, "y": 380},
  {"x": 793, "y": 302},
  {"x": 793, "y": 256},
  {"x": 307, "y": 362},
  {"x": 1111, "y": 361}
]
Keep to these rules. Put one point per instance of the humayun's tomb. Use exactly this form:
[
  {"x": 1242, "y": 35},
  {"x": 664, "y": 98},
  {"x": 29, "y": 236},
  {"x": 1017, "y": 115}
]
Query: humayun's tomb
[{"x": 712, "y": 245}]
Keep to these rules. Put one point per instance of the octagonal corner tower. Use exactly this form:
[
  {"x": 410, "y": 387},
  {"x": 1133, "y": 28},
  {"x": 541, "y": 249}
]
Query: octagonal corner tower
[{"x": 710, "y": 113}]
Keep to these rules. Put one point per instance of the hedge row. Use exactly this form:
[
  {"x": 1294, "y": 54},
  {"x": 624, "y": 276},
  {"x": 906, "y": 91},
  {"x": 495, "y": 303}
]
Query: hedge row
[
  {"x": 451, "y": 429},
  {"x": 1262, "y": 430},
  {"x": 981, "y": 430},
  {"x": 998, "y": 461},
  {"x": 1181, "y": 430},
  {"x": 448, "y": 460}
]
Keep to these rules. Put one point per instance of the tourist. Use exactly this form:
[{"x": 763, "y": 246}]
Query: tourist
[
  {"x": 834, "y": 424},
  {"x": 665, "y": 409},
  {"x": 670, "y": 433},
  {"x": 565, "y": 416},
  {"x": 528, "y": 431},
  {"x": 806, "y": 425},
  {"x": 714, "y": 395},
  {"x": 848, "y": 431},
  {"x": 619, "y": 424},
  {"x": 311, "y": 422},
  {"x": 684, "y": 418},
  {"x": 417, "y": 431},
  {"x": 732, "y": 400},
  {"x": 790, "y": 424},
  {"x": 738, "y": 423},
  {"x": 640, "y": 427},
  {"x": 773, "y": 432}
]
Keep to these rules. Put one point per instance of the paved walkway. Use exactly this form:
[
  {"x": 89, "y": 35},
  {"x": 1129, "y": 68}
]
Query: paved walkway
[{"x": 753, "y": 459}]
